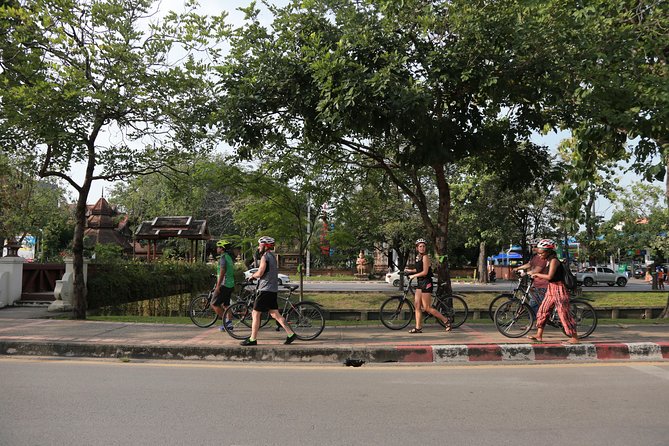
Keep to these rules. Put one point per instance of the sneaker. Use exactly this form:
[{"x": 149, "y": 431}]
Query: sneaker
[
  {"x": 229, "y": 326},
  {"x": 248, "y": 342},
  {"x": 290, "y": 339}
]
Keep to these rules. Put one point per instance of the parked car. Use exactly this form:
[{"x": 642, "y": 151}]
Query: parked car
[
  {"x": 393, "y": 278},
  {"x": 282, "y": 277},
  {"x": 639, "y": 273},
  {"x": 601, "y": 274}
]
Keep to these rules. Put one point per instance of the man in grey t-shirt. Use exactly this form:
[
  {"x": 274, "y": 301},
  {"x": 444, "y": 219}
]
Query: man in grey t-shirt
[{"x": 268, "y": 287}]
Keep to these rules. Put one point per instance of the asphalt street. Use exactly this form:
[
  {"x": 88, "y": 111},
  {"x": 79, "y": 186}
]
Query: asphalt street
[{"x": 94, "y": 402}]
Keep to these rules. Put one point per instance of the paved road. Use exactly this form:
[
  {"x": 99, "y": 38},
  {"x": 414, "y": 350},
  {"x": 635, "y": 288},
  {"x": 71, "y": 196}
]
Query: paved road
[{"x": 76, "y": 402}]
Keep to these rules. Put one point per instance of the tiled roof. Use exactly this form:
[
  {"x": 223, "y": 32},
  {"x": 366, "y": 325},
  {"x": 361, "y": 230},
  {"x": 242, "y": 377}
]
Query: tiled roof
[{"x": 173, "y": 227}]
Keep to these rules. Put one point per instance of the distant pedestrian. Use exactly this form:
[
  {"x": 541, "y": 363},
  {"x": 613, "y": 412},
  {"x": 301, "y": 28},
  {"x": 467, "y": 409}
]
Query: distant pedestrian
[
  {"x": 661, "y": 275},
  {"x": 556, "y": 294},
  {"x": 268, "y": 288}
]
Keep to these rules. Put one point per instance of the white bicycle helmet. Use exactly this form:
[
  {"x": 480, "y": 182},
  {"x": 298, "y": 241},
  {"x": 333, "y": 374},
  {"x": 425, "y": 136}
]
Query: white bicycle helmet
[
  {"x": 546, "y": 243},
  {"x": 265, "y": 240},
  {"x": 420, "y": 240}
]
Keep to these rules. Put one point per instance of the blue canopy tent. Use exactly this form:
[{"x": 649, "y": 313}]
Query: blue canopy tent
[
  {"x": 506, "y": 259},
  {"x": 504, "y": 262}
]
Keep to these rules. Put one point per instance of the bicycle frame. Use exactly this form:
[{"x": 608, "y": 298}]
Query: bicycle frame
[{"x": 522, "y": 295}]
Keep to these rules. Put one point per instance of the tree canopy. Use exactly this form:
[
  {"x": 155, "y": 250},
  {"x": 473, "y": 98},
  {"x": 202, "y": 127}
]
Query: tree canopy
[{"x": 104, "y": 84}]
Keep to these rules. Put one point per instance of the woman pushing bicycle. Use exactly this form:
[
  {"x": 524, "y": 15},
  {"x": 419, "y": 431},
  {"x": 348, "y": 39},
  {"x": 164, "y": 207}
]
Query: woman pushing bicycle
[
  {"x": 556, "y": 294},
  {"x": 268, "y": 288},
  {"x": 423, "y": 296}
]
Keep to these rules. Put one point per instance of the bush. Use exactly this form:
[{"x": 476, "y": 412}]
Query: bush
[{"x": 130, "y": 281}]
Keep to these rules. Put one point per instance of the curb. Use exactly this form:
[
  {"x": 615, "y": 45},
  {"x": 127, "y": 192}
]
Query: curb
[{"x": 438, "y": 354}]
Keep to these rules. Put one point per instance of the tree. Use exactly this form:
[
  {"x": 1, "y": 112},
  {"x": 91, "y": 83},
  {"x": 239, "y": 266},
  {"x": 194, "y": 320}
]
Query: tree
[
  {"x": 409, "y": 88},
  {"x": 623, "y": 93},
  {"x": 589, "y": 173},
  {"x": 99, "y": 82},
  {"x": 274, "y": 200},
  {"x": 372, "y": 213},
  {"x": 189, "y": 190},
  {"x": 29, "y": 206},
  {"x": 639, "y": 218}
]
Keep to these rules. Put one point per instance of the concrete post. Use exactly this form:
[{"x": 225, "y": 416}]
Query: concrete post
[
  {"x": 11, "y": 280},
  {"x": 65, "y": 286}
]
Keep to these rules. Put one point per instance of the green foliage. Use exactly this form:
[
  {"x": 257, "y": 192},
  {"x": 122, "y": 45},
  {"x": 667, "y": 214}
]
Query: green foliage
[
  {"x": 406, "y": 88},
  {"x": 640, "y": 221},
  {"x": 80, "y": 70},
  {"x": 128, "y": 281},
  {"x": 107, "y": 253}
]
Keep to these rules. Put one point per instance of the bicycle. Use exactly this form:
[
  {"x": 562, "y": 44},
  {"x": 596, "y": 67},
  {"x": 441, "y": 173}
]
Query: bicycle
[
  {"x": 203, "y": 315},
  {"x": 515, "y": 318},
  {"x": 304, "y": 318},
  {"x": 535, "y": 296},
  {"x": 397, "y": 312}
]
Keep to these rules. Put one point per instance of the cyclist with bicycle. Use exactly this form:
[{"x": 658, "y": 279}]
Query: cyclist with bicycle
[
  {"x": 268, "y": 288},
  {"x": 423, "y": 296},
  {"x": 556, "y": 294},
  {"x": 225, "y": 281},
  {"x": 536, "y": 264}
]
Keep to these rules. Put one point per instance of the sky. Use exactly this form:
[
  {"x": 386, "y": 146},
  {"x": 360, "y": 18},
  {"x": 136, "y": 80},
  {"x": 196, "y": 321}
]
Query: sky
[{"x": 235, "y": 17}]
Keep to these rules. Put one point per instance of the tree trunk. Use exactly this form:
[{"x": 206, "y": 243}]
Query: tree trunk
[
  {"x": 482, "y": 264},
  {"x": 663, "y": 143},
  {"x": 440, "y": 234},
  {"x": 79, "y": 286}
]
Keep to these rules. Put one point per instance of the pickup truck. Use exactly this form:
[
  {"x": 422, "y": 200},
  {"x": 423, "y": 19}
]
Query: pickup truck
[{"x": 600, "y": 274}]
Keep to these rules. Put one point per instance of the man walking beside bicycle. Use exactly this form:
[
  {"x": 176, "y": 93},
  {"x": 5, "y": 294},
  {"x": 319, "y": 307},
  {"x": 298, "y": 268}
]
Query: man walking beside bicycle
[
  {"x": 268, "y": 288},
  {"x": 225, "y": 281},
  {"x": 556, "y": 294},
  {"x": 423, "y": 297}
]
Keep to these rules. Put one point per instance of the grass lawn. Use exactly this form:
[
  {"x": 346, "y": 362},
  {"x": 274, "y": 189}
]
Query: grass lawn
[{"x": 475, "y": 301}]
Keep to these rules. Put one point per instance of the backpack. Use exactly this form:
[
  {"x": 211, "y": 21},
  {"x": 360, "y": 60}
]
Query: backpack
[{"x": 569, "y": 278}]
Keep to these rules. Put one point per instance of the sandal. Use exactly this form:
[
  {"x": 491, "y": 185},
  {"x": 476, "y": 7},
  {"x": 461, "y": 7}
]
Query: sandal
[
  {"x": 535, "y": 339},
  {"x": 448, "y": 327},
  {"x": 416, "y": 330}
]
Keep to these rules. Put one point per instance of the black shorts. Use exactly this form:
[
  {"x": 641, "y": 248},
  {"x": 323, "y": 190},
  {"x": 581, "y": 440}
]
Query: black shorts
[
  {"x": 267, "y": 300},
  {"x": 223, "y": 297},
  {"x": 425, "y": 285}
]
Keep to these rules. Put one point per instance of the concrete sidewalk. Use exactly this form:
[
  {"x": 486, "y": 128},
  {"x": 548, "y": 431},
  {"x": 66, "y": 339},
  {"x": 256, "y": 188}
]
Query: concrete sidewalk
[{"x": 25, "y": 332}]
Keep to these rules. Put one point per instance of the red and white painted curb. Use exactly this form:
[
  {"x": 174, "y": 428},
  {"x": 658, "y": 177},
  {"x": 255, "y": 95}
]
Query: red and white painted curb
[{"x": 471, "y": 353}]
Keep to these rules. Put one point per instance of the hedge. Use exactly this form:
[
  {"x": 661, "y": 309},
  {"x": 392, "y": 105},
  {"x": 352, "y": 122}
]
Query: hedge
[{"x": 130, "y": 281}]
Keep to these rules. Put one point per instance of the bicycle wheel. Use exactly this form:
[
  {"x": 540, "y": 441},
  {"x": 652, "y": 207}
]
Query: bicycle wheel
[
  {"x": 200, "y": 311},
  {"x": 306, "y": 320},
  {"x": 584, "y": 316},
  {"x": 496, "y": 302},
  {"x": 396, "y": 313},
  {"x": 514, "y": 319},
  {"x": 239, "y": 315},
  {"x": 454, "y": 308}
]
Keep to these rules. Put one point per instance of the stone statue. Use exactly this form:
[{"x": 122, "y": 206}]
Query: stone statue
[{"x": 361, "y": 262}]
